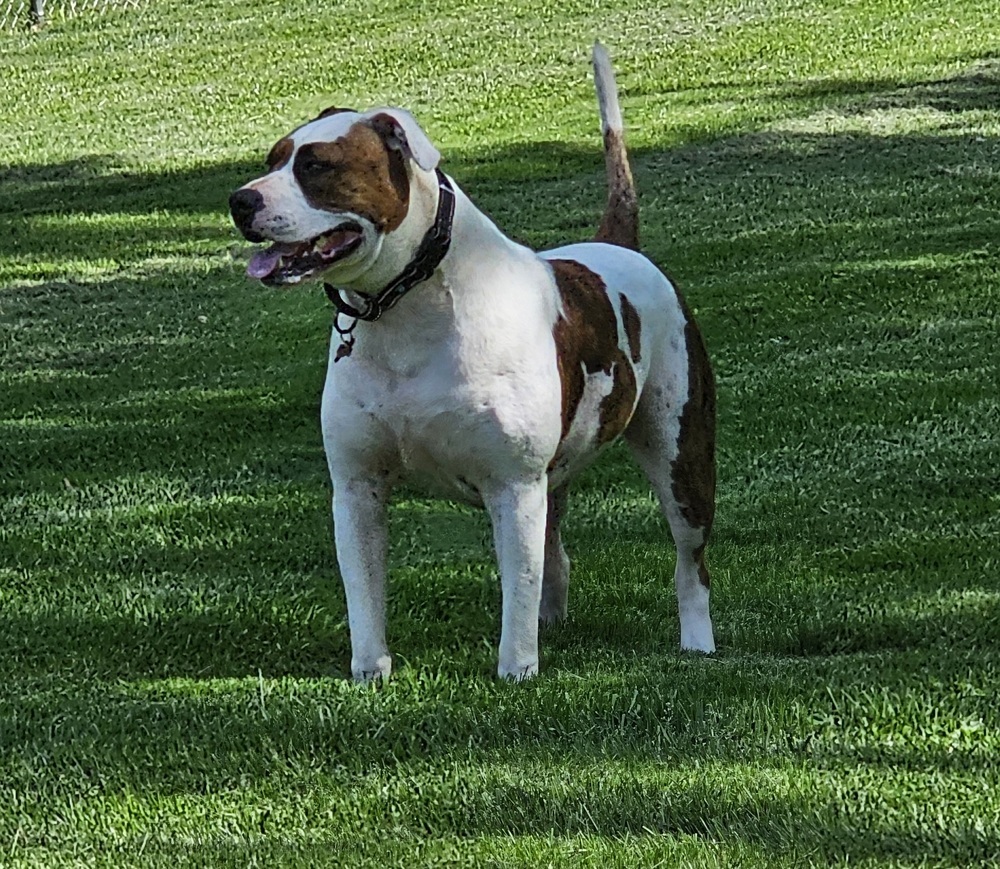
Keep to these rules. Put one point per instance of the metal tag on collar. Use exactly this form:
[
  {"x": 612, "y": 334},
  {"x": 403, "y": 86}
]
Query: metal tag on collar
[{"x": 346, "y": 337}]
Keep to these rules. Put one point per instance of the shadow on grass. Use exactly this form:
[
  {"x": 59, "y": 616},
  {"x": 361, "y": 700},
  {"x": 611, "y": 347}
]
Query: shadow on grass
[
  {"x": 978, "y": 89},
  {"x": 99, "y": 185},
  {"x": 116, "y": 389},
  {"x": 678, "y": 751},
  {"x": 157, "y": 209},
  {"x": 234, "y": 577},
  {"x": 903, "y": 847},
  {"x": 122, "y": 379}
]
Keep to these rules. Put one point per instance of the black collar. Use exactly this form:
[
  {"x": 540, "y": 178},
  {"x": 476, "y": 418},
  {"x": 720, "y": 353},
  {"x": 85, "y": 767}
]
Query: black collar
[{"x": 427, "y": 258}]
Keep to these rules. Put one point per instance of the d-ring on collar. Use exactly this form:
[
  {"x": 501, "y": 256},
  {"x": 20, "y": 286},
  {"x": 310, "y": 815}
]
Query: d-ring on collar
[{"x": 428, "y": 257}]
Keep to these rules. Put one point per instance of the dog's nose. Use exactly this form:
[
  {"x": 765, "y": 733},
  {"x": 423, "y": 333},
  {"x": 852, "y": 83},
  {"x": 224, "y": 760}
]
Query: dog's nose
[{"x": 243, "y": 205}]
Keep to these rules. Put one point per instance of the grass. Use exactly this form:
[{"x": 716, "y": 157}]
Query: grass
[{"x": 821, "y": 178}]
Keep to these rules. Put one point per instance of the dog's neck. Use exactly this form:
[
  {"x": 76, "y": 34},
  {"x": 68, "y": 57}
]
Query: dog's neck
[
  {"x": 397, "y": 251},
  {"x": 424, "y": 318},
  {"x": 471, "y": 231},
  {"x": 423, "y": 264}
]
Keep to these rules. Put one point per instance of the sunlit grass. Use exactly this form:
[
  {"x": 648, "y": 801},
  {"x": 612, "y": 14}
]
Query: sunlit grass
[{"x": 820, "y": 179}]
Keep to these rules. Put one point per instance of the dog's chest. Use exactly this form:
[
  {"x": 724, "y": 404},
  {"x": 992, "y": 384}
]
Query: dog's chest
[
  {"x": 447, "y": 440},
  {"x": 446, "y": 425}
]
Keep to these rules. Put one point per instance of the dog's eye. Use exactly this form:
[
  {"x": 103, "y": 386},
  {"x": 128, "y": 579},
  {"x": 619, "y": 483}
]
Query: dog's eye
[{"x": 315, "y": 165}]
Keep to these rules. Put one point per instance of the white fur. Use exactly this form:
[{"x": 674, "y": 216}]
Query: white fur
[{"x": 607, "y": 91}]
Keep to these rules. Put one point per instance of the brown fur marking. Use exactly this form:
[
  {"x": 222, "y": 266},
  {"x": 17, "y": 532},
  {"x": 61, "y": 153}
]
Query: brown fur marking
[
  {"x": 586, "y": 336},
  {"x": 693, "y": 470},
  {"x": 633, "y": 327},
  {"x": 358, "y": 173},
  {"x": 699, "y": 557},
  {"x": 620, "y": 222},
  {"x": 280, "y": 154}
]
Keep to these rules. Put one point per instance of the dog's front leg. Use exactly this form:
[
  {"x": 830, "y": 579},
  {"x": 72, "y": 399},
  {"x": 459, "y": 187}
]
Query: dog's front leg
[
  {"x": 517, "y": 511},
  {"x": 359, "y": 520}
]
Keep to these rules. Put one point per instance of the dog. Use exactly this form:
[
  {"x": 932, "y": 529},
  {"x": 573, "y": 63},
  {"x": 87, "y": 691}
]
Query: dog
[{"x": 463, "y": 360}]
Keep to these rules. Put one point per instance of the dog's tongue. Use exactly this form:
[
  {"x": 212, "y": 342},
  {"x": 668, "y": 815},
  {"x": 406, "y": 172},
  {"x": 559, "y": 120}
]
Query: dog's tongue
[{"x": 264, "y": 262}]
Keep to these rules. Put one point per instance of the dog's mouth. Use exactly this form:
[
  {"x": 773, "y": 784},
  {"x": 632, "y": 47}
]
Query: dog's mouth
[{"x": 289, "y": 263}]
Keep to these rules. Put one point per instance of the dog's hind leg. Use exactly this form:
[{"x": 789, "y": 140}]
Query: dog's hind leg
[
  {"x": 672, "y": 436},
  {"x": 555, "y": 577}
]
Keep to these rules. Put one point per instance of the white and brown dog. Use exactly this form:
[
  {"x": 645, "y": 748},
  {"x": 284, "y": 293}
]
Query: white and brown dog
[{"x": 500, "y": 376}]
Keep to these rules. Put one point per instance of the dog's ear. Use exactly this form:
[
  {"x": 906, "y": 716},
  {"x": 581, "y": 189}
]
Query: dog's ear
[
  {"x": 331, "y": 110},
  {"x": 400, "y": 132}
]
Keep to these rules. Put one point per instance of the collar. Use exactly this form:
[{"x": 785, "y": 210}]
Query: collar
[{"x": 428, "y": 257}]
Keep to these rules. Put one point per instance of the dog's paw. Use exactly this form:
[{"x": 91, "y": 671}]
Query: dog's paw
[
  {"x": 381, "y": 668},
  {"x": 518, "y": 672},
  {"x": 703, "y": 644},
  {"x": 552, "y": 615},
  {"x": 697, "y": 636}
]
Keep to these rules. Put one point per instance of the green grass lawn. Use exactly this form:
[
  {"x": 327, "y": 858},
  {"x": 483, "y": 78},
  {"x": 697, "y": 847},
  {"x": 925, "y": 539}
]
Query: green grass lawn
[{"x": 821, "y": 178}]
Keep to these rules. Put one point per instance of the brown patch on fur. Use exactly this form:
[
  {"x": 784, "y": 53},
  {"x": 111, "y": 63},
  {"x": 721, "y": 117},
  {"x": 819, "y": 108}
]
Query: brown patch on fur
[
  {"x": 280, "y": 154},
  {"x": 694, "y": 468},
  {"x": 620, "y": 223},
  {"x": 633, "y": 327},
  {"x": 699, "y": 557},
  {"x": 358, "y": 173},
  {"x": 586, "y": 336}
]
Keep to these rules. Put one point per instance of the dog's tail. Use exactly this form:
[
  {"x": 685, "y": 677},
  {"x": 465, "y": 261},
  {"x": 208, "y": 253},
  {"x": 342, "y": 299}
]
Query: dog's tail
[{"x": 620, "y": 224}]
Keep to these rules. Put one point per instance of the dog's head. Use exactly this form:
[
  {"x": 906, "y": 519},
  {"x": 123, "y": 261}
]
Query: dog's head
[{"x": 336, "y": 189}]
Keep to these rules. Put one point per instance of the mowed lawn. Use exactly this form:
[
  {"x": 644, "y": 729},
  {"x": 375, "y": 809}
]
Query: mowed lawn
[{"x": 822, "y": 181}]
